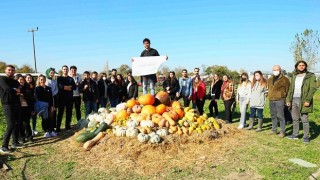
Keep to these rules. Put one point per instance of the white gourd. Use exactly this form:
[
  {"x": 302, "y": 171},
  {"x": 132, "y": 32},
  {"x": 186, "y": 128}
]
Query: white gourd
[
  {"x": 102, "y": 110},
  {"x": 109, "y": 119},
  {"x": 121, "y": 106},
  {"x": 92, "y": 123},
  {"x": 162, "y": 132},
  {"x": 91, "y": 117},
  {"x": 147, "y": 123},
  {"x": 132, "y": 123},
  {"x": 120, "y": 132},
  {"x": 155, "y": 139},
  {"x": 113, "y": 109},
  {"x": 143, "y": 138},
  {"x": 152, "y": 134},
  {"x": 132, "y": 132},
  {"x": 98, "y": 118}
]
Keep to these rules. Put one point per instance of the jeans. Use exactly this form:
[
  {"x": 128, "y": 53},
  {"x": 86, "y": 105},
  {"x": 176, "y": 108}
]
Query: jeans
[
  {"x": 253, "y": 112},
  {"x": 243, "y": 104},
  {"x": 90, "y": 106},
  {"x": 48, "y": 123},
  {"x": 227, "y": 106},
  {"x": 186, "y": 100},
  {"x": 114, "y": 102},
  {"x": 68, "y": 105},
  {"x": 77, "y": 104},
  {"x": 103, "y": 102},
  {"x": 277, "y": 114},
  {"x": 145, "y": 82},
  {"x": 25, "y": 128},
  {"x": 34, "y": 121},
  {"x": 213, "y": 104},
  {"x": 296, "y": 115},
  {"x": 200, "y": 104},
  {"x": 11, "y": 115}
]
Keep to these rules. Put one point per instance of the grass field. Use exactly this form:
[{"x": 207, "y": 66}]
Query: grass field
[{"x": 247, "y": 155}]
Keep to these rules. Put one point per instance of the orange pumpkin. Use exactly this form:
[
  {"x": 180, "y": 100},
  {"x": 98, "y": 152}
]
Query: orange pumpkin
[
  {"x": 148, "y": 109},
  {"x": 147, "y": 99},
  {"x": 130, "y": 103},
  {"x": 180, "y": 112},
  {"x": 122, "y": 114},
  {"x": 163, "y": 97},
  {"x": 161, "y": 108},
  {"x": 156, "y": 118},
  {"x": 136, "y": 109},
  {"x": 174, "y": 115},
  {"x": 175, "y": 104}
]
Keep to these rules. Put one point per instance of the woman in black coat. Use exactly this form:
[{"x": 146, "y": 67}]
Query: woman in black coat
[
  {"x": 214, "y": 94},
  {"x": 103, "y": 90},
  {"x": 122, "y": 91},
  {"x": 113, "y": 92},
  {"x": 132, "y": 88},
  {"x": 171, "y": 85}
]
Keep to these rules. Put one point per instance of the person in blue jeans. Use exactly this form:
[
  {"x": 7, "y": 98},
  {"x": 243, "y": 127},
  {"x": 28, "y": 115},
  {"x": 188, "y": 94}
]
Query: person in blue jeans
[
  {"x": 257, "y": 99},
  {"x": 90, "y": 93},
  {"x": 185, "y": 88},
  {"x": 113, "y": 91}
]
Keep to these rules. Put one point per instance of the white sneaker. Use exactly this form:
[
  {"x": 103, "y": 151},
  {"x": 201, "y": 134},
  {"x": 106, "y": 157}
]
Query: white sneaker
[
  {"x": 47, "y": 135},
  {"x": 53, "y": 134},
  {"x": 34, "y": 132},
  {"x": 240, "y": 126}
]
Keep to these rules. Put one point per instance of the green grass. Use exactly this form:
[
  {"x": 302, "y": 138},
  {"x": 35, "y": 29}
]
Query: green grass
[{"x": 260, "y": 156}]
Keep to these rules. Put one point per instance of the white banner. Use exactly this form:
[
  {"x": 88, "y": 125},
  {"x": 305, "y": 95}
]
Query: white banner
[{"x": 146, "y": 65}]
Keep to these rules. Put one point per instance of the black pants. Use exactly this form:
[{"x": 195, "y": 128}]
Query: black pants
[
  {"x": 77, "y": 104},
  {"x": 200, "y": 104},
  {"x": 25, "y": 128},
  {"x": 227, "y": 106},
  {"x": 68, "y": 105},
  {"x": 48, "y": 123},
  {"x": 186, "y": 100},
  {"x": 213, "y": 104},
  {"x": 11, "y": 115}
]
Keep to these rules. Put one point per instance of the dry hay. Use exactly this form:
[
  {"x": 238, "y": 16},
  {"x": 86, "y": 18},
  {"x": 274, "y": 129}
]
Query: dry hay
[{"x": 123, "y": 154}]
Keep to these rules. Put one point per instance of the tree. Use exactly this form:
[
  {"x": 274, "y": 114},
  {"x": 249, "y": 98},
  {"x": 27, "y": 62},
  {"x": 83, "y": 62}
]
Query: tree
[
  {"x": 306, "y": 47},
  {"x": 2, "y": 66},
  {"x": 106, "y": 68},
  {"x": 25, "y": 69},
  {"x": 178, "y": 71},
  {"x": 123, "y": 69},
  {"x": 203, "y": 69},
  {"x": 164, "y": 70}
]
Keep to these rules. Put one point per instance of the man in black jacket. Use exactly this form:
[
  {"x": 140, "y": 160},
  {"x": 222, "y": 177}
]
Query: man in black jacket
[
  {"x": 9, "y": 91},
  {"x": 66, "y": 86},
  {"x": 90, "y": 93}
]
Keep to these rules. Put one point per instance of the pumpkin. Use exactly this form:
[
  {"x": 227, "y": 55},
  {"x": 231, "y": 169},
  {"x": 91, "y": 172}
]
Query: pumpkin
[
  {"x": 98, "y": 118},
  {"x": 147, "y": 123},
  {"x": 156, "y": 118},
  {"x": 163, "y": 97},
  {"x": 148, "y": 109},
  {"x": 136, "y": 109},
  {"x": 122, "y": 114},
  {"x": 121, "y": 106},
  {"x": 141, "y": 117},
  {"x": 132, "y": 102},
  {"x": 155, "y": 139},
  {"x": 134, "y": 116},
  {"x": 180, "y": 112},
  {"x": 132, "y": 123},
  {"x": 161, "y": 108},
  {"x": 146, "y": 99},
  {"x": 132, "y": 132},
  {"x": 120, "y": 131},
  {"x": 173, "y": 115},
  {"x": 102, "y": 110},
  {"x": 143, "y": 138},
  {"x": 129, "y": 111},
  {"x": 175, "y": 104},
  {"x": 109, "y": 118},
  {"x": 162, "y": 132}
]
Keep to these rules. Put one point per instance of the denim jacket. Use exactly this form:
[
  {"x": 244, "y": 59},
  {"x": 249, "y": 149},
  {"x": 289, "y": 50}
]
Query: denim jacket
[{"x": 188, "y": 90}]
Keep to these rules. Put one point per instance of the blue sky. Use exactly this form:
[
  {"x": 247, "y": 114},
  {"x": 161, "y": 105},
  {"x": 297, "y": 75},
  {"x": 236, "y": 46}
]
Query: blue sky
[{"x": 249, "y": 35}]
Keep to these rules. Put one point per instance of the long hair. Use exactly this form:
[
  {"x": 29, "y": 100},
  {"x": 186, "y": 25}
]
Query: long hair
[
  {"x": 263, "y": 81},
  {"x": 215, "y": 81},
  {"x": 38, "y": 80},
  {"x": 196, "y": 84},
  {"x": 132, "y": 79},
  {"x": 296, "y": 66},
  {"x": 173, "y": 79},
  {"x": 244, "y": 74}
]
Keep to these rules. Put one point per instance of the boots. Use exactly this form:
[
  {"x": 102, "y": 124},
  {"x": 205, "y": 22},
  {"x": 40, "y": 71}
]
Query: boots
[
  {"x": 251, "y": 121},
  {"x": 259, "y": 125}
]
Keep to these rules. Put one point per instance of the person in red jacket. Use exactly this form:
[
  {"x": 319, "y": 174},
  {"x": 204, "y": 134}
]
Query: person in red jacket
[{"x": 198, "y": 93}]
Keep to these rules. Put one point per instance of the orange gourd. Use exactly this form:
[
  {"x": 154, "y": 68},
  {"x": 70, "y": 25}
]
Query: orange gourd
[
  {"x": 130, "y": 103},
  {"x": 148, "y": 109},
  {"x": 175, "y": 104},
  {"x": 167, "y": 117},
  {"x": 147, "y": 99},
  {"x": 174, "y": 115},
  {"x": 122, "y": 114},
  {"x": 161, "y": 108},
  {"x": 180, "y": 112}
]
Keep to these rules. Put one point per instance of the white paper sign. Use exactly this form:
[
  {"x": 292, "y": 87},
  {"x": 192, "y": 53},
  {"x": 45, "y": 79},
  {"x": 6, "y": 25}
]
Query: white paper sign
[{"x": 146, "y": 65}]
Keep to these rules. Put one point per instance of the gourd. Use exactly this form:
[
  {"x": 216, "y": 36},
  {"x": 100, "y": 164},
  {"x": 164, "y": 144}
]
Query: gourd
[
  {"x": 132, "y": 123},
  {"x": 148, "y": 109},
  {"x": 136, "y": 109},
  {"x": 102, "y": 110},
  {"x": 167, "y": 117},
  {"x": 120, "y": 132},
  {"x": 162, "y": 132},
  {"x": 147, "y": 123},
  {"x": 121, "y": 106},
  {"x": 132, "y": 132},
  {"x": 161, "y": 108},
  {"x": 147, "y": 99},
  {"x": 175, "y": 104},
  {"x": 89, "y": 144},
  {"x": 85, "y": 136},
  {"x": 109, "y": 118},
  {"x": 143, "y": 138},
  {"x": 155, "y": 139},
  {"x": 156, "y": 118},
  {"x": 132, "y": 102},
  {"x": 180, "y": 112},
  {"x": 163, "y": 98},
  {"x": 122, "y": 114}
]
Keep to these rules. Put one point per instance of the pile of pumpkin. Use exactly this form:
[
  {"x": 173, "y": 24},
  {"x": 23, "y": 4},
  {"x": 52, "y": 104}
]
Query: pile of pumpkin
[{"x": 148, "y": 118}]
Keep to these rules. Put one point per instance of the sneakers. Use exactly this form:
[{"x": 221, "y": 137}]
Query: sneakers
[
  {"x": 34, "y": 132},
  {"x": 53, "y": 134},
  {"x": 5, "y": 150},
  {"x": 240, "y": 126},
  {"x": 47, "y": 135},
  {"x": 17, "y": 146},
  {"x": 292, "y": 137},
  {"x": 282, "y": 135},
  {"x": 306, "y": 140}
]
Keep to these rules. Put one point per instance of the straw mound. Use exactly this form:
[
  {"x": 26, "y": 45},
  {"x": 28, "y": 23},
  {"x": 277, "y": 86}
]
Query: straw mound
[{"x": 122, "y": 154}]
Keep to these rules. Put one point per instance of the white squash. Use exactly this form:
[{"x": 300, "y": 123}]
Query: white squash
[
  {"x": 121, "y": 106},
  {"x": 152, "y": 134},
  {"x": 162, "y": 132},
  {"x": 120, "y": 132},
  {"x": 102, "y": 110},
  {"x": 143, "y": 138},
  {"x": 155, "y": 139},
  {"x": 109, "y": 118},
  {"x": 98, "y": 118},
  {"x": 147, "y": 123},
  {"x": 91, "y": 117},
  {"x": 132, "y": 132},
  {"x": 113, "y": 109},
  {"x": 92, "y": 123},
  {"x": 132, "y": 123}
]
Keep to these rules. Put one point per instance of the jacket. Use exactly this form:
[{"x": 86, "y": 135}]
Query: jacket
[
  {"x": 188, "y": 90},
  {"x": 279, "y": 89},
  {"x": 65, "y": 95},
  {"x": 101, "y": 87},
  {"x": 215, "y": 90},
  {"x": 258, "y": 96},
  {"x": 244, "y": 90},
  {"x": 200, "y": 93},
  {"x": 309, "y": 87},
  {"x": 29, "y": 96},
  {"x": 227, "y": 91},
  {"x": 91, "y": 93},
  {"x": 113, "y": 90},
  {"x": 8, "y": 94},
  {"x": 173, "y": 86},
  {"x": 132, "y": 91}
]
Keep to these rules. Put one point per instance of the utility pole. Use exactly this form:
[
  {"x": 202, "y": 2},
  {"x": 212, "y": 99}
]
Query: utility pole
[{"x": 34, "y": 48}]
